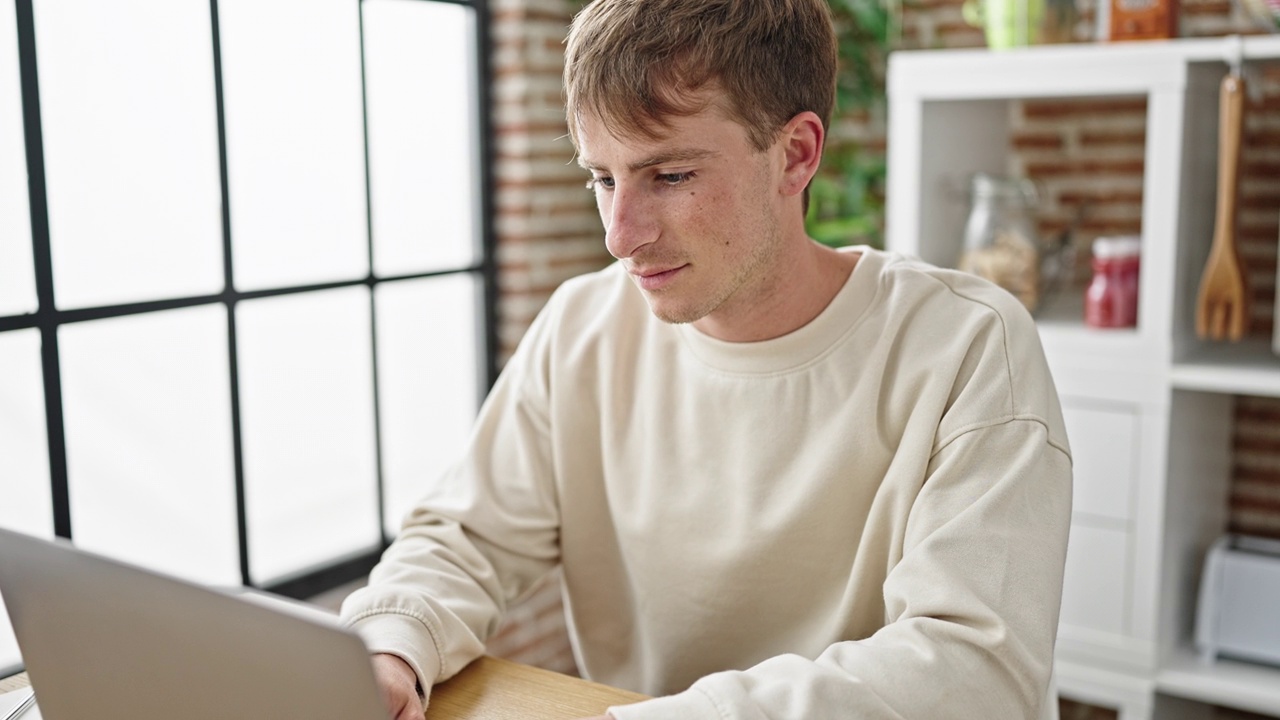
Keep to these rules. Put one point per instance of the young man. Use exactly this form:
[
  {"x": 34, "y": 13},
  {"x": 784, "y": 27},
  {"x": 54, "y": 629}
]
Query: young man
[{"x": 782, "y": 481}]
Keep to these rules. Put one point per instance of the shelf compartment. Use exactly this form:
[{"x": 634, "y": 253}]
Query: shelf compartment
[
  {"x": 1065, "y": 311},
  {"x": 1063, "y": 316},
  {"x": 1246, "y": 368},
  {"x": 1229, "y": 683}
]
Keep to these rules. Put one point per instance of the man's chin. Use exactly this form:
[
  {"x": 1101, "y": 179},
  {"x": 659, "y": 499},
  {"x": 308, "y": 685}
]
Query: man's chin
[{"x": 672, "y": 313}]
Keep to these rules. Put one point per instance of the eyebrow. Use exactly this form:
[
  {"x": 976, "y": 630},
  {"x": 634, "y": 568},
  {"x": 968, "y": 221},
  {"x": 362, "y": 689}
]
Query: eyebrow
[{"x": 662, "y": 158}]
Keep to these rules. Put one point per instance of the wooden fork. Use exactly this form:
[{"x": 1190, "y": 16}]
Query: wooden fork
[{"x": 1222, "y": 309}]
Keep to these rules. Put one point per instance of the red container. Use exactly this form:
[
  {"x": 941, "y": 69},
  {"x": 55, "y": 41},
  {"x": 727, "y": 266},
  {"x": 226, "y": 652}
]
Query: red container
[{"x": 1112, "y": 298}]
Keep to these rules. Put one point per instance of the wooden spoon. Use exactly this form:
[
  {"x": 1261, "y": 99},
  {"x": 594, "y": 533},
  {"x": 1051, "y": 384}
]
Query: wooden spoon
[{"x": 1222, "y": 309}]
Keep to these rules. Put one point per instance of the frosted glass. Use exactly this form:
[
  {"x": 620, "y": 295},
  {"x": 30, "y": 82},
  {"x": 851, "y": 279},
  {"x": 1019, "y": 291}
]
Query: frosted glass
[
  {"x": 27, "y": 505},
  {"x": 295, "y": 141},
  {"x": 306, "y": 402},
  {"x": 130, "y": 149},
  {"x": 17, "y": 274},
  {"x": 147, "y": 410},
  {"x": 428, "y": 382},
  {"x": 419, "y": 61}
]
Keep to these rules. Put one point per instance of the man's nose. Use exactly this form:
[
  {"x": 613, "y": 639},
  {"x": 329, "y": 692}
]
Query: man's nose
[{"x": 628, "y": 220}]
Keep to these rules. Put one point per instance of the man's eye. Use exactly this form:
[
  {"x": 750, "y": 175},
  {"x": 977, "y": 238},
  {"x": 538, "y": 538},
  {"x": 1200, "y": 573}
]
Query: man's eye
[
  {"x": 602, "y": 181},
  {"x": 675, "y": 178}
]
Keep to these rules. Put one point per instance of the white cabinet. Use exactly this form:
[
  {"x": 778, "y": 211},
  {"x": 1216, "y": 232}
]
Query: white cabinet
[
  {"x": 1148, "y": 409},
  {"x": 1105, "y": 441},
  {"x": 1094, "y": 598}
]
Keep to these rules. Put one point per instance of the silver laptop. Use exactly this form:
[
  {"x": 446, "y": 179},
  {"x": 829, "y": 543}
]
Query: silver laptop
[{"x": 104, "y": 640}]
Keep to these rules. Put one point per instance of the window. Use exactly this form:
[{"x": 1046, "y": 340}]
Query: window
[{"x": 246, "y": 276}]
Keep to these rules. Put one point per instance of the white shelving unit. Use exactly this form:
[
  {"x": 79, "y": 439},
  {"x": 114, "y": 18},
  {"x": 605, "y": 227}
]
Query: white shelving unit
[
  {"x": 1149, "y": 409},
  {"x": 1242, "y": 685}
]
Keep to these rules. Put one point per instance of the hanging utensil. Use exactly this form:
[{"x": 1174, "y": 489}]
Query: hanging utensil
[{"x": 1222, "y": 309}]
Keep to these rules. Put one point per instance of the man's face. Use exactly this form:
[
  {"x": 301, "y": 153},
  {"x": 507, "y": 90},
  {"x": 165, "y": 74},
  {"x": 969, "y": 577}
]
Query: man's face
[{"x": 693, "y": 216}]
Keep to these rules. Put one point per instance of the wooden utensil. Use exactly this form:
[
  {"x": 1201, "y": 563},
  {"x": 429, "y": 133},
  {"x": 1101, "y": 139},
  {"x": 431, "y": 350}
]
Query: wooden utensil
[{"x": 1222, "y": 309}]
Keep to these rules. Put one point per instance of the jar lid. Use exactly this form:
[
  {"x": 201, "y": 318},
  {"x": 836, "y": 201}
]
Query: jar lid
[{"x": 1117, "y": 247}]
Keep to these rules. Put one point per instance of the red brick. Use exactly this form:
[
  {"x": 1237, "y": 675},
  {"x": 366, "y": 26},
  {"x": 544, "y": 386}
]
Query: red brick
[
  {"x": 1112, "y": 138},
  {"x": 1060, "y": 109},
  {"x": 1111, "y": 227},
  {"x": 1260, "y": 168},
  {"x": 527, "y": 16},
  {"x": 1036, "y": 141},
  {"x": 960, "y": 35},
  {"x": 1209, "y": 7},
  {"x": 530, "y": 127},
  {"x": 1100, "y": 197},
  {"x": 1085, "y": 167}
]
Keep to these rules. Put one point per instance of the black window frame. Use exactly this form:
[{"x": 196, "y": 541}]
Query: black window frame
[{"x": 48, "y": 318}]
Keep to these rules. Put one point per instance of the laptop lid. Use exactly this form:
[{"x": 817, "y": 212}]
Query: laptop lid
[{"x": 104, "y": 640}]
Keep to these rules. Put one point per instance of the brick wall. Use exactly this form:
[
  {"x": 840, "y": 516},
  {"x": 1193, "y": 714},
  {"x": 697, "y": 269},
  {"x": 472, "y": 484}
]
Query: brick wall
[
  {"x": 547, "y": 226},
  {"x": 1083, "y": 152},
  {"x": 548, "y": 231}
]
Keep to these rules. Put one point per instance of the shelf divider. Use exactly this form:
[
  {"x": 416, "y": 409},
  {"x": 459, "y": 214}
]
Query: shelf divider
[{"x": 1229, "y": 683}]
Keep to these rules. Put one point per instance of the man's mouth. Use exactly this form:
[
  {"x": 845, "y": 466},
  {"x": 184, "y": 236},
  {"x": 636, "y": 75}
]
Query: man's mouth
[{"x": 655, "y": 278}]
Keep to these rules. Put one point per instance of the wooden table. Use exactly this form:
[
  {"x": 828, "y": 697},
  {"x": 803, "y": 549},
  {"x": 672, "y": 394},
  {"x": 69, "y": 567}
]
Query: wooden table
[{"x": 494, "y": 689}]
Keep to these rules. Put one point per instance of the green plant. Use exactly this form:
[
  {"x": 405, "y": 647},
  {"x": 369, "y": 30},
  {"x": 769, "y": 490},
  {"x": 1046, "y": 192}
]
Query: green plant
[
  {"x": 865, "y": 29},
  {"x": 846, "y": 198}
]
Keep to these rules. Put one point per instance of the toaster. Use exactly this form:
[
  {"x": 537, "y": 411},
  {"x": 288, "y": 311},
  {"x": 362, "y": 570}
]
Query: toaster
[{"x": 1238, "y": 614}]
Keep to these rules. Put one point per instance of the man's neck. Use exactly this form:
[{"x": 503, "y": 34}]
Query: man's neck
[{"x": 801, "y": 289}]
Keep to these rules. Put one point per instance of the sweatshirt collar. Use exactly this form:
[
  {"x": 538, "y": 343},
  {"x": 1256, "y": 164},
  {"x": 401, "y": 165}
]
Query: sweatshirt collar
[{"x": 802, "y": 346}]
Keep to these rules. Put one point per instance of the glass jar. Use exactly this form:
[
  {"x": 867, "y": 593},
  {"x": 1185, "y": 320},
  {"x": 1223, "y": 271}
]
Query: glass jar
[
  {"x": 1111, "y": 301},
  {"x": 1000, "y": 242}
]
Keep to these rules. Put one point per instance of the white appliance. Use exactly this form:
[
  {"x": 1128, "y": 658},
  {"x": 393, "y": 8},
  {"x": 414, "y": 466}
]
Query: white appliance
[{"x": 1239, "y": 611}]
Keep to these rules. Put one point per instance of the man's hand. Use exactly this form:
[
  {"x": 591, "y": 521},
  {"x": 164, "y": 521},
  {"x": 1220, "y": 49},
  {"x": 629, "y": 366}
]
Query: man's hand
[{"x": 399, "y": 687}]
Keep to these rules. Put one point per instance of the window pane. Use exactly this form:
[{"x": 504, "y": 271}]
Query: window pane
[
  {"x": 306, "y": 402},
  {"x": 24, "y": 455},
  {"x": 17, "y": 275},
  {"x": 147, "y": 408},
  {"x": 419, "y": 60},
  {"x": 295, "y": 141},
  {"x": 24, "y": 447},
  {"x": 428, "y": 378},
  {"x": 131, "y": 149}
]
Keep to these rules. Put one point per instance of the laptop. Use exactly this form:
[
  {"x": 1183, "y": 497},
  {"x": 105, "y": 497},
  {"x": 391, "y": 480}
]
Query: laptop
[{"x": 104, "y": 640}]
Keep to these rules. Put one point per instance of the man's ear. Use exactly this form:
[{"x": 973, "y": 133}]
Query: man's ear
[{"x": 802, "y": 140}]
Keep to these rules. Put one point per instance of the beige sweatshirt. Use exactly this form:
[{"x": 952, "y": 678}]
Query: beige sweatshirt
[{"x": 866, "y": 518}]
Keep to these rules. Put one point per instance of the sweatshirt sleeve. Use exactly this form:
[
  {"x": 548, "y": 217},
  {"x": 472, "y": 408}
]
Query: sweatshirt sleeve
[
  {"x": 971, "y": 608},
  {"x": 480, "y": 537}
]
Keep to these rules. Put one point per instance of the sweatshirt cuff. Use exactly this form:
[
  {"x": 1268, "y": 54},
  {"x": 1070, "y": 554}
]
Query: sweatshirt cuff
[
  {"x": 405, "y": 637},
  {"x": 692, "y": 704}
]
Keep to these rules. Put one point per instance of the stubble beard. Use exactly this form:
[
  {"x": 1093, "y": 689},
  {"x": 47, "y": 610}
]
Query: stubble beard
[{"x": 736, "y": 287}]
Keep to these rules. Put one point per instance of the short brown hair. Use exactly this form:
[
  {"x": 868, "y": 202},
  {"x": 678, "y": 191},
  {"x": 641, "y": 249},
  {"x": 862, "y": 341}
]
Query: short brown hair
[{"x": 634, "y": 64}]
